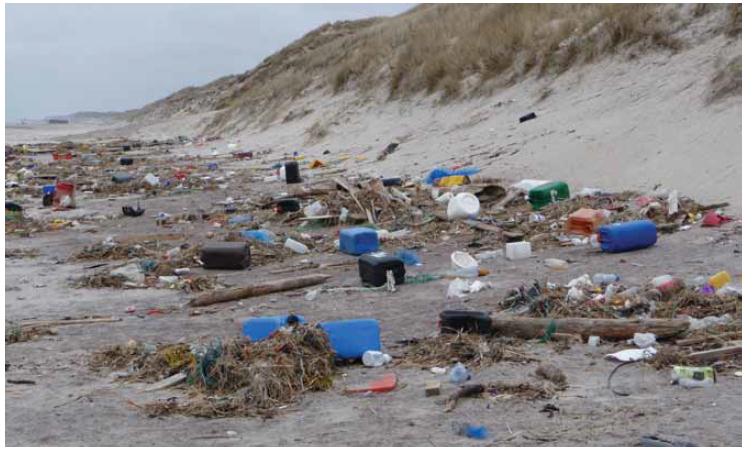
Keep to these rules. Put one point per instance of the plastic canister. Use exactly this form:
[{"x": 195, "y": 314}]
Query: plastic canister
[
  {"x": 350, "y": 338},
  {"x": 257, "y": 329},
  {"x": 517, "y": 250},
  {"x": 626, "y": 236},
  {"x": 358, "y": 240},
  {"x": 720, "y": 279},
  {"x": 463, "y": 206},
  {"x": 64, "y": 194}
]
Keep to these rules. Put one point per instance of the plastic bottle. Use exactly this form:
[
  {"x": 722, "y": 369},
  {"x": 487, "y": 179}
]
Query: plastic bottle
[
  {"x": 463, "y": 206},
  {"x": 471, "y": 431},
  {"x": 409, "y": 257},
  {"x": 687, "y": 376},
  {"x": 490, "y": 255},
  {"x": 296, "y": 246},
  {"x": 375, "y": 358},
  {"x": 605, "y": 279},
  {"x": 555, "y": 264},
  {"x": 459, "y": 374}
]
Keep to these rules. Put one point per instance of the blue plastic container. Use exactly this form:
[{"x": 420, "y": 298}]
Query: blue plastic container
[
  {"x": 439, "y": 173},
  {"x": 476, "y": 432},
  {"x": 259, "y": 235},
  {"x": 257, "y": 329},
  {"x": 48, "y": 190},
  {"x": 408, "y": 257},
  {"x": 350, "y": 338},
  {"x": 358, "y": 240},
  {"x": 626, "y": 236}
]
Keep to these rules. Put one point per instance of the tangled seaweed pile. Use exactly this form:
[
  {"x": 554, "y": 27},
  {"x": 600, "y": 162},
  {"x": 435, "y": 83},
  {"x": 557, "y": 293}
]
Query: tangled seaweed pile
[
  {"x": 15, "y": 333},
  {"x": 470, "y": 349},
  {"x": 233, "y": 377}
]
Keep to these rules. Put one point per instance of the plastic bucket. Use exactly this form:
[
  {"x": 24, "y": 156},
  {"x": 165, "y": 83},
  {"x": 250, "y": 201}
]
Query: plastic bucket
[
  {"x": 465, "y": 264},
  {"x": 463, "y": 206},
  {"x": 63, "y": 189}
]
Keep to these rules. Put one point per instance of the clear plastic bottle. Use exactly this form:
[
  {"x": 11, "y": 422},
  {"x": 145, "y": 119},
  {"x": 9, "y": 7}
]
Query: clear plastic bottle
[
  {"x": 296, "y": 246},
  {"x": 490, "y": 255},
  {"x": 605, "y": 279},
  {"x": 375, "y": 358},
  {"x": 459, "y": 374},
  {"x": 556, "y": 264}
]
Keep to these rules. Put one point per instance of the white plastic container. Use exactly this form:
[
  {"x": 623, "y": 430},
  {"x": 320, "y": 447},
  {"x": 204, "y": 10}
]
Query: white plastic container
[
  {"x": 463, "y": 206},
  {"x": 296, "y": 246},
  {"x": 518, "y": 250},
  {"x": 464, "y": 264}
]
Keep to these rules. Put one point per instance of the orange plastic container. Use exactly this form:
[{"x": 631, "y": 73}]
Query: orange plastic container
[{"x": 584, "y": 221}]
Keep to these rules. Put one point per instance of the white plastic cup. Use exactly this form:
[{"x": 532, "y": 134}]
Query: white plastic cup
[
  {"x": 463, "y": 206},
  {"x": 518, "y": 250}
]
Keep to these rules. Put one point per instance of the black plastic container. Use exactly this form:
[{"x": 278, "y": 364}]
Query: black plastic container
[
  {"x": 373, "y": 269},
  {"x": 47, "y": 199},
  {"x": 288, "y": 205},
  {"x": 226, "y": 255},
  {"x": 126, "y": 161},
  {"x": 388, "y": 182},
  {"x": 292, "y": 174},
  {"x": 527, "y": 117},
  {"x": 453, "y": 321}
]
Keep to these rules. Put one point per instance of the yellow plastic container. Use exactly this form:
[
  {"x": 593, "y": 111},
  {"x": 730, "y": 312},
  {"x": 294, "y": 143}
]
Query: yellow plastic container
[
  {"x": 450, "y": 181},
  {"x": 720, "y": 279}
]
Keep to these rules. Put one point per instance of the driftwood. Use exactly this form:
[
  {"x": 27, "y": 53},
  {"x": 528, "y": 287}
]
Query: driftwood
[
  {"x": 719, "y": 337},
  {"x": 274, "y": 286},
  {"x": 712, "y": 355},
  {"x": 67, "y": 322},
  {"x": 610, "y": 329},
  {"x": 339, "y": 182},
  {"x": 464, "y": 392}
]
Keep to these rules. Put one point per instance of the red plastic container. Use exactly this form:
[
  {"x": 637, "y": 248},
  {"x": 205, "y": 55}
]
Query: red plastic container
[
  {"x": 584, "y": 221},
  {"x": 63, "y": 189}
]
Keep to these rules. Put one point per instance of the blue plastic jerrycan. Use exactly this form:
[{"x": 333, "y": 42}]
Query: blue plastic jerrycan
[
  {"x": 257, "y": 329},
  {"x": 350, "y": 338},
  {"x": 358, "y": 240},
  {"x": 626, "y": 236}
]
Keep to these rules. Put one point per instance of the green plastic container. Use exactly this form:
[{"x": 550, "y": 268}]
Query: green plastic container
[{"x": 550, "y": 192}]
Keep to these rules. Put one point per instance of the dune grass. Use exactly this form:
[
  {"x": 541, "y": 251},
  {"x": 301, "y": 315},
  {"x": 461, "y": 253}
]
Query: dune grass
[{"x": 450, "y": 49}]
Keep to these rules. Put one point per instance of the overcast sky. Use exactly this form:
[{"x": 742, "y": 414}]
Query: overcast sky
[{"x": 68, "y": 58}]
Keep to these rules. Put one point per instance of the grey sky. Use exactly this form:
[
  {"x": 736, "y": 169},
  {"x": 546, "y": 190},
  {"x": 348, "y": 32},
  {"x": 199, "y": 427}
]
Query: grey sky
[{"x": 66, "y": 58}]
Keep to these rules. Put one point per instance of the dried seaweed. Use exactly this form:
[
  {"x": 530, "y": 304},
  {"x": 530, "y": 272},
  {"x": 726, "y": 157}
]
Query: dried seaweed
[
  {"x": 470, "y": 349},
  {"x": 235, "y": 377}
]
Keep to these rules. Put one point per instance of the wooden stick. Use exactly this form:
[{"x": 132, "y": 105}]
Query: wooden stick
[
  {"x": 464, "y": 392},
  {"x": 67, "y": 322},
  {"x": 712, "y": 355},
  {"x": 690, "y": 341},
  {"x": 275, "y": 286},
  {"x": 613, "y": 329}
]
